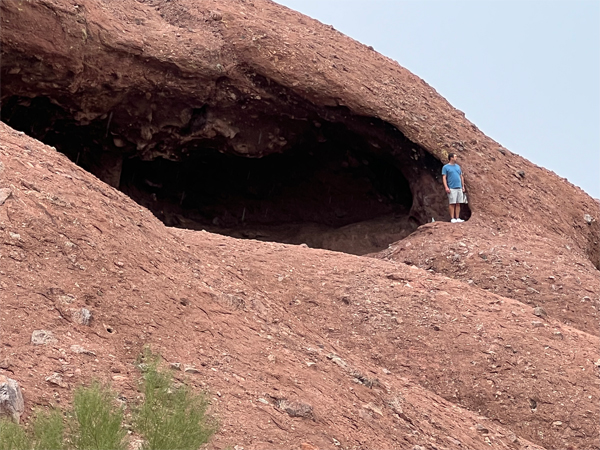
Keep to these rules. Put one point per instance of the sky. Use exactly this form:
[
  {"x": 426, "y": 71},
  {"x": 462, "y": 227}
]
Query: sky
[{"x": 526, "y": 72}]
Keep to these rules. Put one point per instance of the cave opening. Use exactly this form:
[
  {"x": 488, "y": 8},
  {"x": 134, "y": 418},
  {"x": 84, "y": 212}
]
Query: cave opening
[
  {"x": 319, "y": 194},
  {"x": 329, "y": 179}
]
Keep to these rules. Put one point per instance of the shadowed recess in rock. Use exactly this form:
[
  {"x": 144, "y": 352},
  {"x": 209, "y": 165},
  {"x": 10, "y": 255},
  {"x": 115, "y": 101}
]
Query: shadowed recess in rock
[
  {"x": 285, "y": 171},
  {"x": 327, "y": 194}
]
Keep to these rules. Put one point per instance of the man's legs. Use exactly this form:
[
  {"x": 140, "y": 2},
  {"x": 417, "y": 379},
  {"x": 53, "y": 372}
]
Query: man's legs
[{"x": 454, "y": 209}]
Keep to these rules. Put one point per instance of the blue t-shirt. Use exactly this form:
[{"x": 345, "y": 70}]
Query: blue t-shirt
[{"x": 453, "y": 173}]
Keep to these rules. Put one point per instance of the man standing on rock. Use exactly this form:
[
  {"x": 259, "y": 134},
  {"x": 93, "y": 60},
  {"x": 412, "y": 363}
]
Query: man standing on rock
[{"x": 454, "y": 183}]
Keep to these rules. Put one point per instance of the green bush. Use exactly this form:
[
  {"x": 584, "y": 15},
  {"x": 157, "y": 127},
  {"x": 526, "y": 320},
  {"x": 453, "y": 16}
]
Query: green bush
[
  {"x": 12, "y": 436},
  {"x": 48, "y": 431},
  {"x": 97, "y": 423},
  {"x": 171, "y": 417}
]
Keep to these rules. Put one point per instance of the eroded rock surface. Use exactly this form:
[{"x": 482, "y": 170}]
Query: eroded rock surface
[
  {"x": 249, "y": 119},
  {"x": 188, "y": 121},
  {"x": 418, "y": 357}
]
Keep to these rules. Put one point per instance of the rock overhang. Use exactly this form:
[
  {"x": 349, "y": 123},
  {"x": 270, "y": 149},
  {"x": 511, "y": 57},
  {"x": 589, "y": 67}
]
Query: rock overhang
[
  {"x": 223, "y": 161},
  {"x": 128, "y": 118},
  {"x": 99, "y": 53}
]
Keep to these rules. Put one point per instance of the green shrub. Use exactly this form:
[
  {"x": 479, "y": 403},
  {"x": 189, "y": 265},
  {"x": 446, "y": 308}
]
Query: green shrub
[
  {"x": 48, "y": 431},
  {"x": 171, "y": 417},
  {"x": 12, "y": 436},
  {"x": 97, "y": 422}
]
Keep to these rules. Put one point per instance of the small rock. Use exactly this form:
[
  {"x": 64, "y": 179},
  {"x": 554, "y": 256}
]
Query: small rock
[
  {"x": 521, "y": 173},
  {"x": 82, "y": 316},
  {"x": 79, "y": 349},
  {"x": 336, "y": 359},
  {"x": 481, "y": 429},
  {"x": 176, "y": 366},
  {"x": 66, "y": 299},
  {"x": 42, "y": 337},
  {"x": 395, "y": 277},
  {"x": 536, "y": 323},
  {"x": 556, "y": 423},
  {"x": 5, "y": 193},
  {"x": 295, "y": 409},
  {"x": 501, "y": 150},
  {"x": 540, "y": 312},
  {"x": 11, "y": 399},
  {"x": 589, "y": 219},
  {"x": 190, "y": 369},
  {"x": 57, "y": 380}
]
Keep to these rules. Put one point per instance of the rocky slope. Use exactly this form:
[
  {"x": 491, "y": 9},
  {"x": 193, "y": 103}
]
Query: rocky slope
[{"x": 457, "y": 336}]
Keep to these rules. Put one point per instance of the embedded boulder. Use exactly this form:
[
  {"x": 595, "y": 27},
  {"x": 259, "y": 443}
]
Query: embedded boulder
[{"x": 11, "y": 399}]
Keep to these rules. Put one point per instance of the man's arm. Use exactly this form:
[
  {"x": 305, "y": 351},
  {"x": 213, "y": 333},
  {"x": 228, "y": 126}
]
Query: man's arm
[
  {"x": 445, "y": 184},
  {"x": 462, "y": 181}
]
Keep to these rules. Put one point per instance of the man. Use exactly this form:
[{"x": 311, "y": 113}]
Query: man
[{"x": 454, "y": 184}]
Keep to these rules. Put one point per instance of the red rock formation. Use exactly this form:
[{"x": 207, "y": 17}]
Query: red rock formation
[{"x": 252, "y": 120}]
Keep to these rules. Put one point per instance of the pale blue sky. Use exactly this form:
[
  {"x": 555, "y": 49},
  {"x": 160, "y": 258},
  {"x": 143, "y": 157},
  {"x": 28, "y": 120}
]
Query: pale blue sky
[{"x": 526, "y": 72}]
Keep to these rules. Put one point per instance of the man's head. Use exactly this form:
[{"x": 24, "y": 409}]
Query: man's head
[{"x": 451, "y": 157}]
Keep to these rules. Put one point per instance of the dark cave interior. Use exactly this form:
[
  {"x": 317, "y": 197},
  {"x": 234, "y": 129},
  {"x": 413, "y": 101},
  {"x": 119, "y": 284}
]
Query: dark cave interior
[
  {"x": 327, "y": 186},
  {"x": 330, "y": 180}
]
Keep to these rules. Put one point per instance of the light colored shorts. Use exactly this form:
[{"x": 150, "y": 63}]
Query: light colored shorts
[{"x": 456, "y": 196}]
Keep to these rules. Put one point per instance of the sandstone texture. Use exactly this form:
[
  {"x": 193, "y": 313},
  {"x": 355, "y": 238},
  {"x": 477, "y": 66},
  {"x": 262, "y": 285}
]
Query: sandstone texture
[{"x": 135, "y": 131}]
